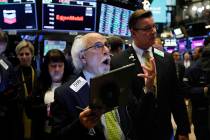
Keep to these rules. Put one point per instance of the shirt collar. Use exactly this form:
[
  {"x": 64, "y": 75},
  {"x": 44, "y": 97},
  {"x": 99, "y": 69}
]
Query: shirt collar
[
  {"x": 88, "y": 76},
  {"x": 140, "y": 51}
]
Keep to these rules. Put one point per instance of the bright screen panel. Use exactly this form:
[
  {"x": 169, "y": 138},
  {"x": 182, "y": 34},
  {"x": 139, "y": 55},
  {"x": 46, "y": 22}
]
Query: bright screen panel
[
  {"x": 182, "y": 45},
  {"x": 18, "y": 15},
  {"x": 159, "y": 8},
  {"x": 54, "y": 44},
  {"x": 170, "y": 43},
  {"x": 114, "y": 20},
  {"x": 69, "y": 15},
  {"x": 197, "y": 43}
]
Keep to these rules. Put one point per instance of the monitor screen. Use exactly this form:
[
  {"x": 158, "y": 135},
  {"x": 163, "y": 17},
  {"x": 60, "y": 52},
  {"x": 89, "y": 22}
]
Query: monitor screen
[
  {"x": 170, "y": 49},
  {"x": 177, "y": 31},
  {"x": 54, "y": 44},
  {"x": 18, "y": 15},
  {"x": 114, "y": 20},
  {"x": 170, "y": 42},
  {"x": 197, "y": 43},
  {"x": 182, "y": 45},
  {"x": 69, "y": 15},
  {"x": 159, "y": 8}
]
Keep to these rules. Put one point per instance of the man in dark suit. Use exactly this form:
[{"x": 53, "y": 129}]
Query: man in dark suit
[
  {"x": 199, "y": 81},
  {"x": 155, "y": 86},
  {"x": 180, "y": 69},
  {"x": 8, "y": 89},
  {"x": 72, "y": 118}
]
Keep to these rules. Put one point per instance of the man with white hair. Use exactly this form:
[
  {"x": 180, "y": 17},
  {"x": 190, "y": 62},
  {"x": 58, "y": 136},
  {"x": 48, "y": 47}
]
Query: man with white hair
[{"x": 72, "y": 118}]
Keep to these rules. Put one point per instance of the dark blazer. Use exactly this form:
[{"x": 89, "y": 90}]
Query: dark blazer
[
  {"x": 152, "y": 115},
  {"x": 66, "y": 124},
  {"x": 200, "y": 102},
  {"x": 7, "y": 101}
]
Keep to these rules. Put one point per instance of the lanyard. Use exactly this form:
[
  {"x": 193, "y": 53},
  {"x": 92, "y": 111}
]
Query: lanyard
[{"x": 32, "y": 78}]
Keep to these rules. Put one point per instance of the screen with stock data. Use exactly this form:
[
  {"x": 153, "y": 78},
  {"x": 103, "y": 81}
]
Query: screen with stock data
[
  {"x": 114, "y": 20},
  {"x": 18, "y": 15},
  {"x": 68, "y": 15}
]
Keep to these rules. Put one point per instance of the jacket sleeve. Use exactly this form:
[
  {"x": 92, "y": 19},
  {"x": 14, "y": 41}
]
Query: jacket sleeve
[{"x": 65, "y": 124}]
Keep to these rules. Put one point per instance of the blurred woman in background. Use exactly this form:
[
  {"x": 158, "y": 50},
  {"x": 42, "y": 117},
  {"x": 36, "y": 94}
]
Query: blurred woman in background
[
  {"x": 26, "y": 74},
  {"x": 54, "y": 73}
]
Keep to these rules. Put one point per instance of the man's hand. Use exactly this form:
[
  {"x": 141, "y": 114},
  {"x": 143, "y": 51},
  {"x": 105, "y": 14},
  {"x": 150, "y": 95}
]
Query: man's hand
[
  {"x": 149, "y": 74},
  {"x": 89, "y": 118}
]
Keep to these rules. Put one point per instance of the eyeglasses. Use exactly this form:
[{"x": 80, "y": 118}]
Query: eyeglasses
[
  {"x": 147, "y": 28},
  {"x": 97, "y": 45}
]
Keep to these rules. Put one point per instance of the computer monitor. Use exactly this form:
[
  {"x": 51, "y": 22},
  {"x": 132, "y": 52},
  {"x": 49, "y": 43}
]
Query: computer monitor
[
  {"x": 69, "y": 15},
  {"x": 197, "y": 43},
  {"x": 114, "y": 20},
  {"x": 159, "y": 10},
  {"x": 170, "y": 42},
  {"x": 54, "y": 44},
  {"x": 182, "y": 43},
  {"x": 178, "y": 33},
  {"x": 19, "y": 15}
]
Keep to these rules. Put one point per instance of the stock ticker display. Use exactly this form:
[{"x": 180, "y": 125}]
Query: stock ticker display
[
  {"x": 69, "y": 15},
  {"x": 114, "y": 20},
  {"x": 18, "y": 15}
]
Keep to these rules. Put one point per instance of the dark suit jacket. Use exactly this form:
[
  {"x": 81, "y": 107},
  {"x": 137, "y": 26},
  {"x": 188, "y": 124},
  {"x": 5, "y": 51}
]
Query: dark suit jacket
[
  {"x": 7, "y": 96},
  {"x": 66, "y": 124},
  {"x": 152, "y": 116}
]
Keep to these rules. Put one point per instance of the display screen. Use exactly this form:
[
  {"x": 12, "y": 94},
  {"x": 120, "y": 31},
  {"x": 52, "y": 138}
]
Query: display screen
[
  {"x": 18, "y": 15},
  {"x": 178, "y": 31},
  {"x": 54, "y": 44},
  {"x": 159, "y": 8},
  {"x": 170, "y": 43},
  {"x": 170, "y": 49},
  {"x": 182, "y": 45},
  {"x": 68, "y": 15},
  {"x": 114, "y": 20},
  {"x": 197, "y": 43}
]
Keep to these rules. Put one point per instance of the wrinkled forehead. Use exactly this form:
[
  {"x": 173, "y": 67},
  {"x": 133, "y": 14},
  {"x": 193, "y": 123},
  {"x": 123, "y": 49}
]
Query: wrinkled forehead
[{"x": 91, "y": 38}]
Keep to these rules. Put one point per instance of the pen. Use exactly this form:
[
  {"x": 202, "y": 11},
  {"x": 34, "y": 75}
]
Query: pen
[
  {"x": 91, "y": 130},
  {"x": 78, "y": 107}
]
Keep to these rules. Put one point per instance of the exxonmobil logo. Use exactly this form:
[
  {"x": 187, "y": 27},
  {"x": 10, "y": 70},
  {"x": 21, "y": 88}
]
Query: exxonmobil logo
[{"x": 69, "y": 18}]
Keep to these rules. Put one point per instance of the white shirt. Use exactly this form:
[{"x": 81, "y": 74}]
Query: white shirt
[
  {"x": 187, "y": 64},
  {"x": 88, "y": 76},
  {"x": 49, "y": 95},
  {"x": 139, "y": 53}
]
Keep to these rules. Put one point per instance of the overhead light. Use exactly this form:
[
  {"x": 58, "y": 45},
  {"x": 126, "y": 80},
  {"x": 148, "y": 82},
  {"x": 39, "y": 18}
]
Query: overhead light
[
  {"x": 200, "y": 9},
  {"x": 207, "y": 26},
  {"x": 194, "y": 8}
]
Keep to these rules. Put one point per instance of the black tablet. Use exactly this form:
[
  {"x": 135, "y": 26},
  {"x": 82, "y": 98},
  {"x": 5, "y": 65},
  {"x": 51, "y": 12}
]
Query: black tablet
[{"x": 112, "y": 89}]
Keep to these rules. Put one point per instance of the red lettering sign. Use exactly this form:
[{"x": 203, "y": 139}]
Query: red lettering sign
[{"x": 69, "y": 18}]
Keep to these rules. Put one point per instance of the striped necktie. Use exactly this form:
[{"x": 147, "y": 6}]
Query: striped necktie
[
  {"x": 148, "y": 64},
  {"x": 112, "y": 125}
]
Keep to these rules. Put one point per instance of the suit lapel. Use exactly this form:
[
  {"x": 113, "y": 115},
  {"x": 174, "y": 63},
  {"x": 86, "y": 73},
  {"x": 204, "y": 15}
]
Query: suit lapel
[
  {"x": 83, "y": 94},
  {"x": 159, "y": 62},
  {"x": 131, "y": 55}
]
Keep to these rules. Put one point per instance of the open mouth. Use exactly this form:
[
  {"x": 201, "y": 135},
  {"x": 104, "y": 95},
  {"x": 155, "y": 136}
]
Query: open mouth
[{"x": 106, "y": 61}]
